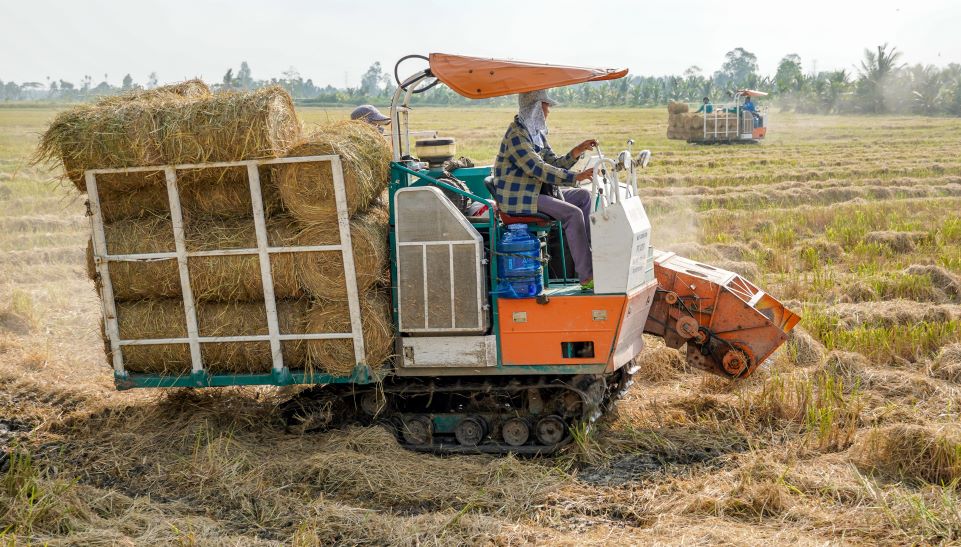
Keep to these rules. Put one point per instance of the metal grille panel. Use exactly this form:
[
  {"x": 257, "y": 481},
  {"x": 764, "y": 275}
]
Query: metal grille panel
[{"x": 441, "y": 283}]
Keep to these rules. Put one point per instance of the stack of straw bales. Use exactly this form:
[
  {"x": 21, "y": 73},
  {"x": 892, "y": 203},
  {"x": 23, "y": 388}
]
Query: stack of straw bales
[
  {"x": 186, "y": 123},
  {"x": 685, "y": 125}
]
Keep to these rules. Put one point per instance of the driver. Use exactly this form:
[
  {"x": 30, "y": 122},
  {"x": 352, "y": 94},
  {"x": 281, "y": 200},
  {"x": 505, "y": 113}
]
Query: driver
[{"x": 526, "y": 171}]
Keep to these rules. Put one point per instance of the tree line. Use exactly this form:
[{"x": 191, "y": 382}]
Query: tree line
[{"x": 878, "y": 84}]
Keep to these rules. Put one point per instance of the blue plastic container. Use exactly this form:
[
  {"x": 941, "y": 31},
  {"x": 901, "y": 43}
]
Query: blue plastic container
[{"x": 518, "y": 263}]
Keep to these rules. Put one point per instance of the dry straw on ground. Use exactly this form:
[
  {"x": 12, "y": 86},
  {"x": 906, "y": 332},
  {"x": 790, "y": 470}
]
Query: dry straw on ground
[
  {"x": 661, "y": 364},
  {"x": 913, "y": 452},
  {"x": 307, "y": 189},
  {"x": 942, "y": 279},
  {"x": 803, "y": 349},
  {"x": 947, "y": 364}
]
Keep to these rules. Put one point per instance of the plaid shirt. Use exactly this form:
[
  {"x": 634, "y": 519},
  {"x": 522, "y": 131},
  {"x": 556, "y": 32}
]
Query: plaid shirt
[{"x": 522, "y": 167}]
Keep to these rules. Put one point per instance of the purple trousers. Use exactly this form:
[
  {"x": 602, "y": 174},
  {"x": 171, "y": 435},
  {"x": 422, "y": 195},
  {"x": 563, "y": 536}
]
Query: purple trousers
[{"x": 574, "y": 212}]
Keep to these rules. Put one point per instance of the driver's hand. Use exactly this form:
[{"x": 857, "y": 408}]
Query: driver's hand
[
  {"x": 584, "y": 175},
  {"x": 583, "y": 147}
]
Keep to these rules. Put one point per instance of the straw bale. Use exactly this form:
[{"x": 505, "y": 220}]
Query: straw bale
[
  {"x": 165, "y": 318},
  {"x": 307, "y": 189},
  {"x": 322, "y": 273},
  {"x": 169, "y": 129},
  {"x": 677, "y": 107},
  {"x": 229, "y": 127},
  {"x": 92, "y": 137},
  {"x": 223, "y": 198},
  {"x": 237, "y": 277},
  {"x": 337, "y": 356},
  {"x": 189, "y": 89},
  {"x": 234, "y": 277}
]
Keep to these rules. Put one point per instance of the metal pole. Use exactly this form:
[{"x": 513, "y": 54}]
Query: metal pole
[
  {"x": 100, "y": 260},
  {"x": 347, "y": 252},
  {"x": 190, "y": 310},
  {"x": 267, "y": 279}
]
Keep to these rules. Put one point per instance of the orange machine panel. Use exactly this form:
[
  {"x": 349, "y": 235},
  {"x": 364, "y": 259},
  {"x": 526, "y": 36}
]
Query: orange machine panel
[
  {"x": 564, "y": 331},
  {"x": 480, "y": 78}
]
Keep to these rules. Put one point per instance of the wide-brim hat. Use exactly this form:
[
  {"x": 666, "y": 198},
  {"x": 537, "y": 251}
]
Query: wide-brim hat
[
  {"x": 531, "y": 97},
  {"x": 369, "y": 113}
]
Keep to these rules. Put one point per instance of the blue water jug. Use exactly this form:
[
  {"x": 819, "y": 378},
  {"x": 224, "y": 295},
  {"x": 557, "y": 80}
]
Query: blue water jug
[{"x": 519, "y": 268}]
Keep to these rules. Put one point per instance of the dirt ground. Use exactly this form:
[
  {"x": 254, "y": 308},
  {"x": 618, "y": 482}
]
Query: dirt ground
[{"x": 848, "y": 435}]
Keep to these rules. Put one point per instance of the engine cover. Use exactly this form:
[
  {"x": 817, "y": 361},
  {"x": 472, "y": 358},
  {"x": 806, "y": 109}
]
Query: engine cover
[{"x": 623, "y": 258}]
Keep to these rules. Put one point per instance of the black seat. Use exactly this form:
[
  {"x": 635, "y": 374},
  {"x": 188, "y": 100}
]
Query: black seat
[{"x": 527, "y": 218}]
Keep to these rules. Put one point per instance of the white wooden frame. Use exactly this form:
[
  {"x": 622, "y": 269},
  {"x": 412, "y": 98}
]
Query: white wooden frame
[{"x": 263, "y": 250}]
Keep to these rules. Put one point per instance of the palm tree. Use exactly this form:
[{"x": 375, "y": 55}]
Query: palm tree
[
  {"x": 875, "y": 70},
  {"x": 836, "y": 85},
  {"x": 926, "y": 89}
]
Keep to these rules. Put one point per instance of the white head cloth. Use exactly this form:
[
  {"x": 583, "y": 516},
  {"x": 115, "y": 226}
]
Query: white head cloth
[{"x": 532, "y": 115}]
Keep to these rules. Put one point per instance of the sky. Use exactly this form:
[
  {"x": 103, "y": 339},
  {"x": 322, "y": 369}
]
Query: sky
[{"x": 333, "y": 42}]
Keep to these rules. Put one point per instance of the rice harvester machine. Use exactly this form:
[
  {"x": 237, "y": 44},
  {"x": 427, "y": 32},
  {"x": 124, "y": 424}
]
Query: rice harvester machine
[
  {"x": 497, "y": 348},
  {"x": 729, "y": 123}
]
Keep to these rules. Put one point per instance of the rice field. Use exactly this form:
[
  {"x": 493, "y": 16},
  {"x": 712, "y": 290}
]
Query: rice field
[{"x": 849, "y": 435}]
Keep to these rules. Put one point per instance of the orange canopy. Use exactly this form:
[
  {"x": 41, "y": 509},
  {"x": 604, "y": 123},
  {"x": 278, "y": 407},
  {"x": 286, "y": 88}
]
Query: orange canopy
[
  {"x": 479, "y": 78},
  {"x": 752, "y": 93}
]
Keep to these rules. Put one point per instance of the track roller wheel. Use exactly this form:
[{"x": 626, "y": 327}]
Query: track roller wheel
[
  {"x": 372, "y": 403},
  {"x": 516, "y": 431},
  {"x": 418, "y": 430},
  {"x": 471, "y": 430},
  {"x": 550, "y": 430}
]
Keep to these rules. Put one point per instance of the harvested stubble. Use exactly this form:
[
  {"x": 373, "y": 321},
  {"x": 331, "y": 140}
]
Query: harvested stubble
[
  {"x": 165, "y": 318},
  {"x": 307, "y": 189},
  {"x": 660, "y": 364},
  {"x": 941, "y": 278},
  {"x": 337, "y": 356},
  {"x": 803, "y": 349},
  {"x": 913, "y": 452},
  {"x": 947, "y": 365},
  {"x": 170, "y": 129}
]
